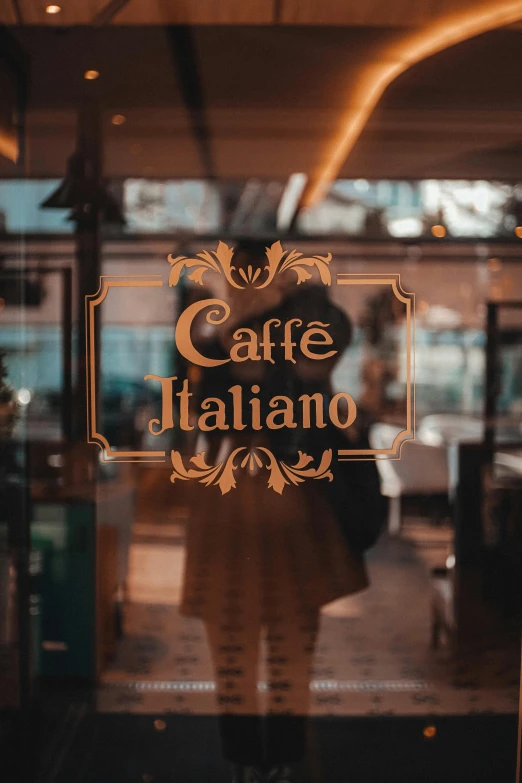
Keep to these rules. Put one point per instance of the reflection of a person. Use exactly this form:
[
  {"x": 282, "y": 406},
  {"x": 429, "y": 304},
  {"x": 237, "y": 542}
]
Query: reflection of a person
[{"x": 258, "y": 561}]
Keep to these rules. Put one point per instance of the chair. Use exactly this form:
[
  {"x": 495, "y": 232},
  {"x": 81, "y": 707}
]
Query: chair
[
  {"x": 439, "y": 429},
  {"x": 421, "y": 470}
]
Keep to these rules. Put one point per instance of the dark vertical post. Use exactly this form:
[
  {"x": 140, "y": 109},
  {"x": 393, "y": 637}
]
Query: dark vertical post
[
  {"x": 88, "y": 255},
  {"x": 87, "y": 215},
  {"x": 492, "y": 379},
  {"x": 67, "y": 379},
  {"x": 467, "y": 464},
  {"x": 19, "y": 504},
  {"x": 519, "y": 745}
]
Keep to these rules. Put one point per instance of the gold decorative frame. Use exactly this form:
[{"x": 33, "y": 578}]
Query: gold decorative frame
[
  {"x": 394, "y": 452},
  {"x": 91, "y": 302},
  {"x": 280, "y": 474},
  {"x": 219, "y": 261}
]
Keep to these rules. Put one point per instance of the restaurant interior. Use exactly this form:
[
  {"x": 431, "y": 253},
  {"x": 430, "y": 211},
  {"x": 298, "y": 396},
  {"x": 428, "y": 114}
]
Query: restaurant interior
[{"x": 142, "y": 144}]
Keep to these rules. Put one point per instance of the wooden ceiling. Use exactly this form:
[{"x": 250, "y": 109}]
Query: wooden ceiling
[
  {"x": 276, "y": 78},
  {"x": 371, "y": 13}
]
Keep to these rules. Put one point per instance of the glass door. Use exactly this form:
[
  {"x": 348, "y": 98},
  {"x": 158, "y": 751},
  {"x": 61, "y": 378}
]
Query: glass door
[{"x": 252, "y": 275}]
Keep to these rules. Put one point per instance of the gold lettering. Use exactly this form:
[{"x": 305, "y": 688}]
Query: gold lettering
[
  {"x": 184, "y": 395},
  {"x": 334, "y": 410},
  {"x": 287, "y": 342},
  {"x": 250, "y": 345},
  {"x": 266, "y": 345},
  {"x": 183, "y": 337},
  {"x": 287, "y": 413},
  {"x": 167, "y": 419},
  {"x": 256, "y": 409},
  {"x": 307, "y": 340},
  {"x": 219, "y": 414},
  {"x": 306, "y": 399},
  {"x": 237, "y": 407}
]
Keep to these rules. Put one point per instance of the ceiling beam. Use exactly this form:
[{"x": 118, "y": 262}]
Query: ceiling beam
[
  {"x": 106, "y": 14},
  {"x": 184, "y": 54},
  {"x": 17, "y": 11}
]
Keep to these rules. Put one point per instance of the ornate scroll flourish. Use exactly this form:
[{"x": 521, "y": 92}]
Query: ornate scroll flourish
[
  {"x": 279, "y": 260},
  {"x": 222, "y": 475}
]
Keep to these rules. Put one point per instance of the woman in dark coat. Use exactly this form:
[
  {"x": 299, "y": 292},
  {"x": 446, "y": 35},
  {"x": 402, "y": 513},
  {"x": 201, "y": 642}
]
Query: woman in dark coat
[{"x": 263, "y": 563}]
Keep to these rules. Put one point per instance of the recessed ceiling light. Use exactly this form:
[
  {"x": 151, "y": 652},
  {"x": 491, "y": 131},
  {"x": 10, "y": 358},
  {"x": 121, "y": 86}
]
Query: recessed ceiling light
[
  {"x": 438, "y": 231},
  {"x": 91, "y": 75},
  {"x": 119, "y": 119},
  {"x": 53, "y": 9}
]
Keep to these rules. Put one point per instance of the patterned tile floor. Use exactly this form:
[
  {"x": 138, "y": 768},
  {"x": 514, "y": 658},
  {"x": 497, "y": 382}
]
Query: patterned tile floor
[{"x": 373, "y": 655}]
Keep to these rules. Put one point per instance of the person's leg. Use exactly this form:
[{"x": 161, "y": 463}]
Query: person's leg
[
  {"x": 290, "y": 659},
  {"x": 235, "y": 653}
]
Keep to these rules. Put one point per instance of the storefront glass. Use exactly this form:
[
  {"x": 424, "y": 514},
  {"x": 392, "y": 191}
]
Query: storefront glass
[{"x": 260, "y": 397}]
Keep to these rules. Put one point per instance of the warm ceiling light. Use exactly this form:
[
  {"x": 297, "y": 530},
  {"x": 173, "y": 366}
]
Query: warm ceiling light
[
  {"x": 390, "y": 62},
  {"x": 91, "y": 75},
  {"x": 518, "y": 232},
  {"x": 53, "y": 9},
  {"x": 438, "y": 231},
  {"x": 430, "y": 732},
  {"x": 119, "y": 119}
]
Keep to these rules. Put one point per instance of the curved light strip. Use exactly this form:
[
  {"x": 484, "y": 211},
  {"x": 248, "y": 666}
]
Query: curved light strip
[
  {"x": 396, "y": 58},
  {"x": 8, "y": 144}
]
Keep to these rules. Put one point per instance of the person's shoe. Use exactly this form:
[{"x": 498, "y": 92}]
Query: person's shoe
[
  {"x": 247, "y": 775},
  {"x": 281, "y": 774}
]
